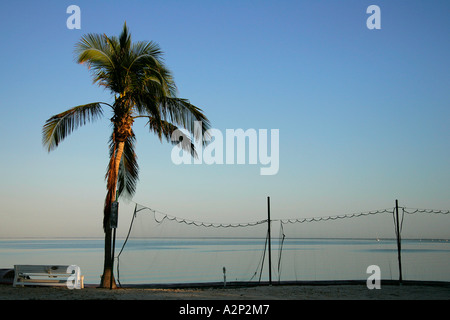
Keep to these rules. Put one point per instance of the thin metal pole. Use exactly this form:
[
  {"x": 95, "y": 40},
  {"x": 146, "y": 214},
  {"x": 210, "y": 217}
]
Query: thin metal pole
[
  {"x": 399, "y": 245},
  {"x": 268, "y": 235}
]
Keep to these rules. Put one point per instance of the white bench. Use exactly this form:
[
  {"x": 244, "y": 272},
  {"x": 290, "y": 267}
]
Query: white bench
[{"x": 48, "y": 275}]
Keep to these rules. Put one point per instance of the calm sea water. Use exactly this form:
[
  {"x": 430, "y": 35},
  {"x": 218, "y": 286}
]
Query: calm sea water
[{"x": 216, "y": 260}]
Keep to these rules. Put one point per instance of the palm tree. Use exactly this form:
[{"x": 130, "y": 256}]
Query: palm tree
[{"x": 142, "y": 87}]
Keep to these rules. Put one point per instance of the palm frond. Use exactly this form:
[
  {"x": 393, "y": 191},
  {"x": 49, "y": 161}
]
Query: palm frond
[
  {"x": 58, "y": 127},
  {"x": 94, "y": 50},
  {"x": 182, "y": 113},
  {"x": 147, "y": 48},
  {"x": 128, "y": 174},
  {"x": 171, "y": 133},
  {"x": 125, "y": 39},
  {"x": 100, "y": 53}
]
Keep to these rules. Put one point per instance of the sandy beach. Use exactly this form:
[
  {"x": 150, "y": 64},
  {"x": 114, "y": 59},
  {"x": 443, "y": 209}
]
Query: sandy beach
[
  {"x": 268, "y": 302},
  {"x": 263, "y": 292}
]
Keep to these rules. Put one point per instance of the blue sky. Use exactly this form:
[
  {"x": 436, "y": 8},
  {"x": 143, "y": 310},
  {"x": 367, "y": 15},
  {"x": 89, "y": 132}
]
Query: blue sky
[{"x": 363, "y": 114}]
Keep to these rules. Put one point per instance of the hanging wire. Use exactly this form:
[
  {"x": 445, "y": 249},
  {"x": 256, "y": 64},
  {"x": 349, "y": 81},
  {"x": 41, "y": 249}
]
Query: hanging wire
[
  {"x": 397, "y": 222},
  {"x": 343, "y": 216},
  {"x": 280, "y": 250},
  {"x": 413, "y": 210},
  {"x": 123, "y": 246},
  {"x": 263, "y": 258},
  {"x": 165, "y": 216}
]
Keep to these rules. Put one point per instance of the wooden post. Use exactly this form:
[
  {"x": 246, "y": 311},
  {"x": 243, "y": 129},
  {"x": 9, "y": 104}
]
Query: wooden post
[
  {"x": 268, "y": 235},
  {"x": 399, "y": 245},
  {"x": 224, "y": 277}
]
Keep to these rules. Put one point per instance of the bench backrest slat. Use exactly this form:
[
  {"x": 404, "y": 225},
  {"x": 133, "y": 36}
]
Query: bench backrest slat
[{"x": 46, "y": 269}]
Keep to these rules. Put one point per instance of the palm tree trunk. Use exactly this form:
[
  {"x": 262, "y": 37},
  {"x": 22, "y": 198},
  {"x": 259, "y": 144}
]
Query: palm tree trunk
[
  {"x": 107, "y": 265},
  {"x": 110, "y": 198}
]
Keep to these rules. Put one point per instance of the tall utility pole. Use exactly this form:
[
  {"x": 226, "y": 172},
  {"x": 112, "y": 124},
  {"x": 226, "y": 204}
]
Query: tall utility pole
[
  {"x": 399, "y": 248},
  {"x": 268, "y": 235}
]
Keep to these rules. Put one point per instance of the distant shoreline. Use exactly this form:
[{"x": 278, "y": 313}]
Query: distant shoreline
[{"x": 273, "y": 238}]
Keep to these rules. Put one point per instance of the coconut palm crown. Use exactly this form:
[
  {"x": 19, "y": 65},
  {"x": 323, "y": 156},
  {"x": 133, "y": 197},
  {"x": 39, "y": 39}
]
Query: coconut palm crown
[{"x": 142, "y": 87}]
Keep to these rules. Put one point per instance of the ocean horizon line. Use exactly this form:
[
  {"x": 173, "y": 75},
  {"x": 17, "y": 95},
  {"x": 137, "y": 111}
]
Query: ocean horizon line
[{"x": 215, "y": 237}]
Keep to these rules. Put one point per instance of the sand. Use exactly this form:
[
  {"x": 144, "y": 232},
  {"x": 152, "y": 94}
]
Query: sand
[
  {"x": 268, "y": 302},
  {"x": 263, "y": 292}
]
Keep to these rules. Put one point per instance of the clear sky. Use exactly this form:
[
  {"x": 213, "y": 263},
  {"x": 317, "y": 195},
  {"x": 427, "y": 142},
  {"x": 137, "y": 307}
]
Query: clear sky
[{"x": 363, "y": 115}]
